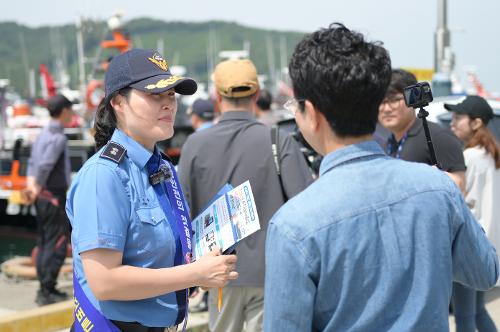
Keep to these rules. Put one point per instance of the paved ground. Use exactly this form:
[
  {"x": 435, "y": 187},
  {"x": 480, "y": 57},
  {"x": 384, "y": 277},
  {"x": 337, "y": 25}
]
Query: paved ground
[{"x": 17, "y": 296}]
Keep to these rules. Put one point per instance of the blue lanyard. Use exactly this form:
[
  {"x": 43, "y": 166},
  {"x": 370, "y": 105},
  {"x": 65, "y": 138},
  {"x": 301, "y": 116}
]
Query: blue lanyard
[
  {"x": 399, "y": 148},
  {"x": 182, "y": 222}
]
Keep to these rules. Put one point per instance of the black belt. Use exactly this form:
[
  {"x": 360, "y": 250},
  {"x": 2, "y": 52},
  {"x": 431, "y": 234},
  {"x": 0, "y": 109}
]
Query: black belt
[{"x": 137, "y": 327}]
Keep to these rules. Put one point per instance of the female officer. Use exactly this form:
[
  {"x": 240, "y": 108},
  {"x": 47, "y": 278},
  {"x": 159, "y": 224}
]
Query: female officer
[{"x": 131, "y": 232}]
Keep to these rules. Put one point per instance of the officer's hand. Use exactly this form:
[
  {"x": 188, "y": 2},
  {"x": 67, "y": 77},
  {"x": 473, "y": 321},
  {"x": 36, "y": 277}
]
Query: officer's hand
[{"x": 215, "y": 269}]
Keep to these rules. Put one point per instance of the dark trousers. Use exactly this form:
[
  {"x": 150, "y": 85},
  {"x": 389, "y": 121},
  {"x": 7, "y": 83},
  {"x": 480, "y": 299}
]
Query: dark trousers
[{"x": 53, "y": 238}]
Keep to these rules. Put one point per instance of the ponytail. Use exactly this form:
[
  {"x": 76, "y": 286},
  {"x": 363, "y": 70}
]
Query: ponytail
[{"x": 105, "y": 121}]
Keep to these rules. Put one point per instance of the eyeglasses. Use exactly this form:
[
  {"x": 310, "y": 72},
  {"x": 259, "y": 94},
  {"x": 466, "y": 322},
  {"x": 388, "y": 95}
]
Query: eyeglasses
[
  {"x": 392, "y": 102},
  {"x": 293, "y": 104}
]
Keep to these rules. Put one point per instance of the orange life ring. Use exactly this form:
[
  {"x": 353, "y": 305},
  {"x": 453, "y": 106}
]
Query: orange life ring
[
  {"x": 22, "y": 267},
  {"x": 94, "y": 94}
]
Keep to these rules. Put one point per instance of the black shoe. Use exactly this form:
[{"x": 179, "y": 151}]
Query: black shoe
[
  {"x": 45, "y": 297},
  {"x": 58, "y": 294}
]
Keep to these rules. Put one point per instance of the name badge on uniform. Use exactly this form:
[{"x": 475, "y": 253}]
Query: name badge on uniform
[{"x": 163, "y": 174}]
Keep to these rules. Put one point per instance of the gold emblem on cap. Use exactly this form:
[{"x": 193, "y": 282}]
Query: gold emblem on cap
[
  {"x": 163, "y": 83},
  {"x": 159, "y": 61}
]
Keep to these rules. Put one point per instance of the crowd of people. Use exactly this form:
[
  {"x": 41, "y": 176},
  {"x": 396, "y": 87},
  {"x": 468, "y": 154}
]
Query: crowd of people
[{"x": 382, "y": 240}]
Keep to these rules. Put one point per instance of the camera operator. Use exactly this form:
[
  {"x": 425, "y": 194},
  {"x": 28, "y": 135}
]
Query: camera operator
[
  {"x": 407, "y": 140},
  {"x": 313, "y": 159}
]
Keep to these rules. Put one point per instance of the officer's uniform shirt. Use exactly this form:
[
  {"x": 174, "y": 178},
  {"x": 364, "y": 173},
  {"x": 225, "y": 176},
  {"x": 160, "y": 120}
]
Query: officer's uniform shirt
[{"x": 112, "y": 205}]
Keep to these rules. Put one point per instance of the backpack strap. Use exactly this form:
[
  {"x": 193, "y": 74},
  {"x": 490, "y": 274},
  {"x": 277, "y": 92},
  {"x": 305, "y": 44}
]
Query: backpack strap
[{"x": 275, "y": 148}]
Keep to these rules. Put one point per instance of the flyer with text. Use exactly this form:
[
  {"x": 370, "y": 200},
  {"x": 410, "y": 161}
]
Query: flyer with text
[{"x": 228, "y": 220}]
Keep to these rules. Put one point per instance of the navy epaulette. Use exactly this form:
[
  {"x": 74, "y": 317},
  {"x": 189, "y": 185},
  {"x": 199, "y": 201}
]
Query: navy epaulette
[{"x": 114, "y": 152}]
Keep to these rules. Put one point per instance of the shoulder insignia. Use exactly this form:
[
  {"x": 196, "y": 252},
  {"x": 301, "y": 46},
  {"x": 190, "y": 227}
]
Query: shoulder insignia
[{"x": 113, "y": 151}]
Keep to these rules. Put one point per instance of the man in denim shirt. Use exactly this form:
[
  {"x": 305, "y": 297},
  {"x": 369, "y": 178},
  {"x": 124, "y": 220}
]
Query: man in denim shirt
[{"x": 375, "y": 242}]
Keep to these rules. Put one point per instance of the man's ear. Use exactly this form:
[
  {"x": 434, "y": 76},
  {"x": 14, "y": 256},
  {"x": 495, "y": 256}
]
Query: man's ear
[
  {"x": 313, "y": 114},
  {"x": 218, "y": 97}
]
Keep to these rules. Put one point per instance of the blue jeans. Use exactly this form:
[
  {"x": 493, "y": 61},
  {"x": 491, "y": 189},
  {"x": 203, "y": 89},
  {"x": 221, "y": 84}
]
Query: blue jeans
[{"x": 470, "y": 313}]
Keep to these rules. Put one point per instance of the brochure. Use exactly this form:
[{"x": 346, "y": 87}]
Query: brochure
[{"x": 227, "y": 220}]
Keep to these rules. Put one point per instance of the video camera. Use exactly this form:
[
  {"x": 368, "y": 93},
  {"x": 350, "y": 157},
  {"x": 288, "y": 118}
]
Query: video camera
[
  {"x": 418, "y": 95},
  {"x": 313, "y": 159}
]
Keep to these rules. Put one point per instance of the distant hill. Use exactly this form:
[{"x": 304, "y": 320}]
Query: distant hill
[{"x": 184, "y": 44}]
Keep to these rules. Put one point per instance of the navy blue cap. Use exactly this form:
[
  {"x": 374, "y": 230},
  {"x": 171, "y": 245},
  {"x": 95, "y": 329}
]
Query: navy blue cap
[
  {"x": 203, "y": 108},
  {"x": 144, "y": 70},
  {"x": 58, "y": 102}
]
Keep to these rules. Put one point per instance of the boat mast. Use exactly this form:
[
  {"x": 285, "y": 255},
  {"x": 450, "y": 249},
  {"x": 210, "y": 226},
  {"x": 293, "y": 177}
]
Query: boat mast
[{"x": 81, "y": 57}]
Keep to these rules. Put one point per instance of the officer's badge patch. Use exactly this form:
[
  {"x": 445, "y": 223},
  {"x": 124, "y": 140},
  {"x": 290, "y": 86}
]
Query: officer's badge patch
[
  {"x": 114, "y": 151},
  {"x": 163, "y": 83},
  {"x": 159, "y": 61}
]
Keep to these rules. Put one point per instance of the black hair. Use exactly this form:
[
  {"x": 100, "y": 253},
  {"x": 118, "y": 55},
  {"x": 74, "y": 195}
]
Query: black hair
[
  {"x": 400, "y": 79},
  {"x": 343, "y": 76},
  {"x": 241, "y": 101},
  {"x": 265, "y": 100},
  {"x": 55, "y": 112},
  {"x": 105, "y": 119},
  {"x": 56, "y": 104}
]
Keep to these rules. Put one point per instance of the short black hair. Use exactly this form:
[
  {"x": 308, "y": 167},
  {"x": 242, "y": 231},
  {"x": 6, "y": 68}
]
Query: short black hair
[
  {"x": 240, "y": 101},
  {"x": 56, "y": 104},
  {"x": 400, "y": 79},
  {"x": 265, "y": 100},
  {"x": 344, "y": 76}
]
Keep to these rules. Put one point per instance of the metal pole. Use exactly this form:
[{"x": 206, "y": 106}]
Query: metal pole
[
  {"x": 81, "y": 57},
  {"x": 422, "y": 114},
  {"x": 441, "y": 37}
]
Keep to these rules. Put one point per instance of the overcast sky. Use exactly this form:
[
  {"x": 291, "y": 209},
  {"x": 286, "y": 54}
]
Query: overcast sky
[{"x": 406, "y": 27}]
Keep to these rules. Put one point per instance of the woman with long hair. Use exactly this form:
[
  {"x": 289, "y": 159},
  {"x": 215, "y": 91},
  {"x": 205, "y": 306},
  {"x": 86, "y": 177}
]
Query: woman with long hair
[
  {"x": 482, "y": 194},
  {"x": 131, "y": 230}
]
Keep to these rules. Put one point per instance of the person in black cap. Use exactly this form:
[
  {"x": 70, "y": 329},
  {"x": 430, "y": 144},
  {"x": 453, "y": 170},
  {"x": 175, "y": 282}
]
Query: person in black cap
[
  {"x": 131, "y": 229},
  {"x": 201, "y": 114},
  {"x": 49, "y": 176},
  {"x": 482, "y": 194}
]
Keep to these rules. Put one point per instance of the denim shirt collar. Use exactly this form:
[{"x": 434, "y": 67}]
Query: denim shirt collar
[
  {"x": 135, "y": 151},
  {"x": 348, "y": 154}
]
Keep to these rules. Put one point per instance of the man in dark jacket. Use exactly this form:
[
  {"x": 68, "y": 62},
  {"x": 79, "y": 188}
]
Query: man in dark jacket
[{"x": 48, "y": 179}]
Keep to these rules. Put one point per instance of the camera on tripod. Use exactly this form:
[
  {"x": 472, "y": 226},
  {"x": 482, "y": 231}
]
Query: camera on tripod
[{"x": 418, "y": 95}]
